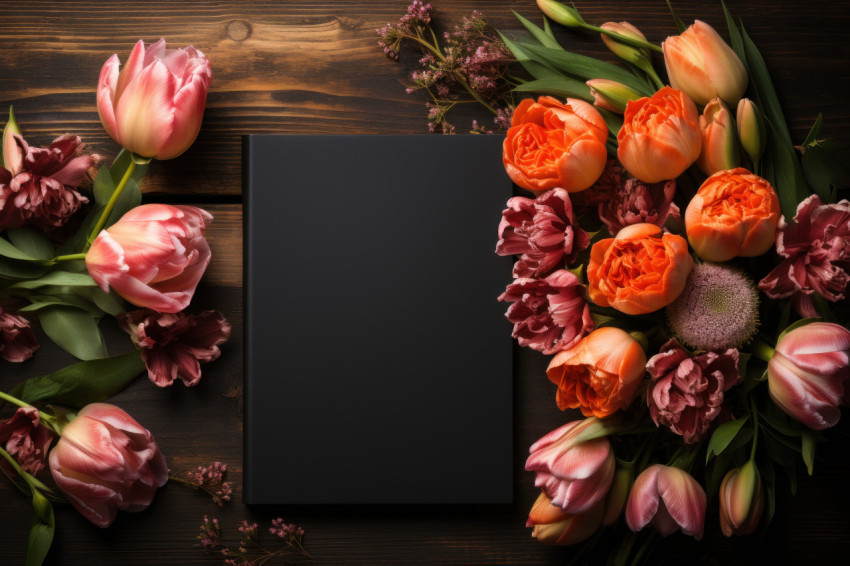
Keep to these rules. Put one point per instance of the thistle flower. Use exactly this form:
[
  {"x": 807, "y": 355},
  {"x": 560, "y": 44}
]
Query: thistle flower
[{"x": 718, "y": 308}]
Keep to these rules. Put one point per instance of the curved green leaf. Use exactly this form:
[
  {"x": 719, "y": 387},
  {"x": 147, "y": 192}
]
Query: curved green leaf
[
  {"x": 57, "y": 278},
  {"x": 723, "y": 436},
  {"x": 32, "y": 242},
  {"x": 74, "y": 330}
]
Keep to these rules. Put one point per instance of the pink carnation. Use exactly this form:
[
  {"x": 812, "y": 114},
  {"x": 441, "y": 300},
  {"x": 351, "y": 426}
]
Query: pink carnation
[
  {"x": 17, "y": 340},
  {"x": 39, "y": 186},
  {"x": 24, "y": 438},
  {"x": 636, "y": 202},
  {"x": 686, "y": 393},
  {"x": 174, "y": 345},
  {"x": 549, "y": 315},
  {"x": 542, "y": 232},
  {"x": 816, "y": 252}
]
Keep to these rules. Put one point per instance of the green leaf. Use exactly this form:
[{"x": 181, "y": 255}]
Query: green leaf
[
  {"x": 74, "y": 330},
  {"x": 57, "y": 278},
  {"x": 540, "y": 35},
  {"x": 723, "y": 436},
  {"x": 613, "y": 121},
  {"x": 8, "y": 249},
  {"x": 130, "y": 198},
  {"x": 735, "y": 37},
  {"x": 535, "y": 68},
  {"x": 547, "y": 28},
  {"x": 41, "y": 533},
  {"x": 814, "y": 133},
  {"x": 680, "y": 25},
  {"x": 110, "y": 303},
  {"x": 120, "y": 164},
  {"x": 809, "y": 442},
  {"x": 14, "y": 269},
  {"x": 32, "y": 242},
  {"x": 824, "y": 171},
  {"x": 561, "y": 86},
  {"x": 84, "y": 382},
  {"x": 585, "y": 68}
]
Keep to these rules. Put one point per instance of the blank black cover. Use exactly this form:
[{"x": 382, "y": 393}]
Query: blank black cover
[{"x": 378, "y": 361}]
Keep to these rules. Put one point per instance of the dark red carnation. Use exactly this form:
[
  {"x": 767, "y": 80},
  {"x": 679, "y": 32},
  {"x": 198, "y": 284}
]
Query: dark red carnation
[
  {"x": 636, "y": 202},
  {"x": 17, "y": 340},
  {"x": 542, "y": 232},
  {"x": 174, "y": 345},
  {"x": 24, "y": 438}
]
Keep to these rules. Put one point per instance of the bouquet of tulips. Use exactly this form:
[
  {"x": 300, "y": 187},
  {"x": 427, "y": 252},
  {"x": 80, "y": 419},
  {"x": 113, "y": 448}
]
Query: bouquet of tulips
[
  {"x": 77, "y": 244},
  {"x": 706, "y": 350}
]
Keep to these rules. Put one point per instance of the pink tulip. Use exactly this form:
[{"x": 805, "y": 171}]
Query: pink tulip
[
  {"x": 106, "y": 461},
  {"x": 808, "y": 373},
  {"x": 154, "y": 256},
  {"x": 576, "y": 473},
  {"x": 154, "y": 106},
  {"x": 741, "y": 500},
  {"x": 669, "y": 499}
]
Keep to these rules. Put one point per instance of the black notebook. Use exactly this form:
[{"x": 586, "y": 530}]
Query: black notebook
[{"x": 377, "y": 360}]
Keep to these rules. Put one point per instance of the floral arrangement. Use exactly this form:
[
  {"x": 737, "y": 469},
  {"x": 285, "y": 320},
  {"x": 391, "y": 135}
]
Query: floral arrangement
[
  {"x": 685, "y": 264},
  {"x": 77, "y": 244}
]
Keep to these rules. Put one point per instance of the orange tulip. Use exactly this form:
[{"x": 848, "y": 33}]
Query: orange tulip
[
  {"x": 639, "y": 271},
  {"x": 734, "y": 213},
  {"x": 553, "y": 526},
  {"x": 551, "y": 145},
  {"x": 719, "y": 139},
  {"x": 700, "y": 63},
  {"x": 600, "y": 374},
  {"x": 660, "y": 136}
]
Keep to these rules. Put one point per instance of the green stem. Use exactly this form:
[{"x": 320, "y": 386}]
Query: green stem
[
  {"x": 110, "y": 206},
  {"x": 762, "y": 350},
  {"x": 69, "y": 257},
  {"x": 755, "y": 427},
  {"x": 634, "y": 42},
  {"x": 49, "y": 419},
  {"x": 33, "y": 482},
  {"x": 646, "y": 67}
]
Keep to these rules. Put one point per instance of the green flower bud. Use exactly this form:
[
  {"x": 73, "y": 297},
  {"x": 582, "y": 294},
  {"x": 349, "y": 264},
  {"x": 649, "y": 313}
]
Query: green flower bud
[
  {"x": 564, "y": 15},
  {"x": 751, "y": 129},
  {"x": 611, "y": 95},
  {"x": 636, "y": 55}
]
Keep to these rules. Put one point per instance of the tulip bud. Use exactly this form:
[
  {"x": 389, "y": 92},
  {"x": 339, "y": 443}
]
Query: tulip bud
[
  {"x": 611, "y": 95},
  {"x": 553, "y": 526},
  {"x": 636, "y": 55},
  {"x": 12, "y": 157},
  {"x": 624, "y": 476},
  {"x": 668, "y": 498},
  {"x": 741, "y": 500},
  {"x": 750, "y": 128},
  {"x": 700, "y": 63},
  {"x": 719, "y": 143},
  {"x": 564, "y": 15},
  {"x": 807, "y": 375}
]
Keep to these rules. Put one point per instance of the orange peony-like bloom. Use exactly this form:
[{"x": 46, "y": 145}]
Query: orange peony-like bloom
[
  {"x": 660, "y": 137},
  {"x": 639, "y": 271},
  {"x": 734, "y": 213},
  {"x": 600, "y": 374},
  {"x": 551, "y": 145}
]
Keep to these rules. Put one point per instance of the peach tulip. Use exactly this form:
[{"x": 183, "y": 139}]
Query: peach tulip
[
  {"x": 552, "y": 525},
  {"x": 626, "y": 52},
  {"x": 105, "y": 462},
  {"x": 154, "y": 256},
  {"x": 600, "y": 375},
  {"x": 719, "y": 139},
  {"x": 808, "y": 373},
  {"x": 700, "y": 63},
  {"x": 733, "y": 214},
  {"x": 551, "y": 145},
  {"x": 639, "y": 271},
  {"x": 574, "y": 465},
  {"x": 154, "y": 106},
  {"x": 741, "y": 500},
  {"x": 660, "y": 137},
  {"x": 669, "y": 499}
]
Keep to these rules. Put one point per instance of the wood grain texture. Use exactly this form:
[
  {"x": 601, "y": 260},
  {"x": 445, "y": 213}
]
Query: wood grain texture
[{"x": 314, "y": 67}]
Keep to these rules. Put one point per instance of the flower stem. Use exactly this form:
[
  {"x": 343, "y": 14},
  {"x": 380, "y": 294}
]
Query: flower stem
[
  {"x": 755, "y": 427},
  {"x": 110, "y": 206},
  {"x": 30, "y": 479},
  {"x": 69, "y": 257},
  {"x": 49, "y": 419},
  {"x": 762, "y": 350}
]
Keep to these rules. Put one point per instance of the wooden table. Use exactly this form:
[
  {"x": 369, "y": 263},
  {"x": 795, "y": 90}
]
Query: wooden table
[{"x": 314, "y": 68}]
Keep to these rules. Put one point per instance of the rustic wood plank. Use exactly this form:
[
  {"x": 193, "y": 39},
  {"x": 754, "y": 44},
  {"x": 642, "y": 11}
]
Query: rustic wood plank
[{"x": 314, "y": 68}]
